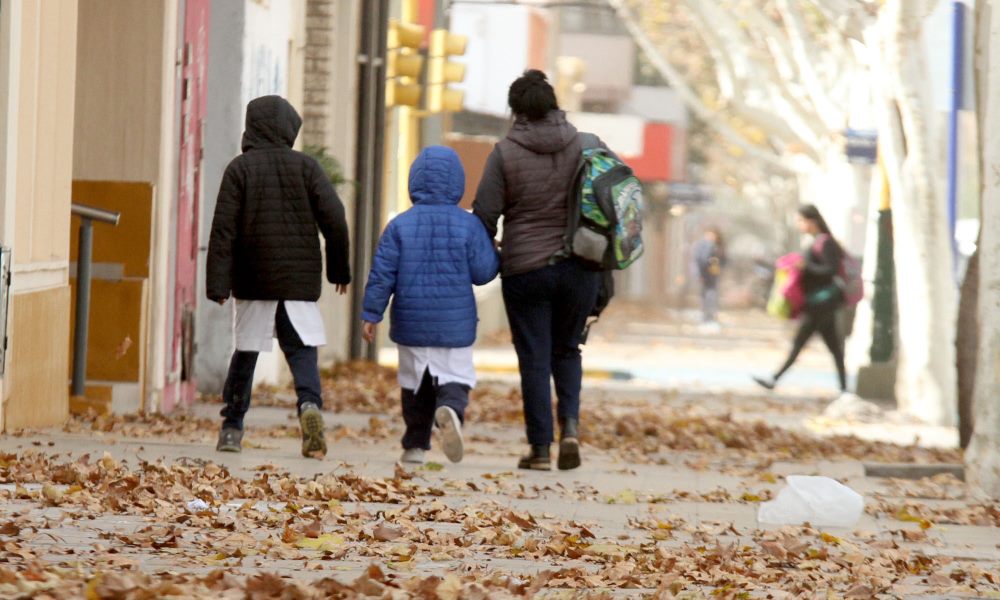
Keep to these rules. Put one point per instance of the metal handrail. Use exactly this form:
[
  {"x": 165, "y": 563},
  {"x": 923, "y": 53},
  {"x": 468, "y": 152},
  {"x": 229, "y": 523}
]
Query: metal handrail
[
  {"x": 95, "y": 214},
  {"x": 84, "y": 257}
]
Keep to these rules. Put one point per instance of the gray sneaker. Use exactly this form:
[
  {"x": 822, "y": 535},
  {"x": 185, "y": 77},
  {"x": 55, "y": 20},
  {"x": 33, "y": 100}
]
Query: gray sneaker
[
  {"x": 230, "y": 440},
  {"x": 313, "y": 440},
  {"x": 413, "y": 456},
  {"x": 451, "y": 433}
]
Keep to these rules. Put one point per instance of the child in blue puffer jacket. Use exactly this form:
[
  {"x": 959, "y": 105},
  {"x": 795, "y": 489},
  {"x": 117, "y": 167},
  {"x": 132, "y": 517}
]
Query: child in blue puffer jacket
[{"x": 428, "y": 259}]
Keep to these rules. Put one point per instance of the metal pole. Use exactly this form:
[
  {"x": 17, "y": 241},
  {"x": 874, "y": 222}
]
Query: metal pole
[
  {"x": 378, "y": 143},
  {"x": 84, "y": 255},
  {"x": 957, "y": 73},
  {"x": 371, "y": 136}
]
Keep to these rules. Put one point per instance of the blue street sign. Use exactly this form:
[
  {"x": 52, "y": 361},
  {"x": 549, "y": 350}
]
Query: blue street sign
[{"x": 861, "y": 146}]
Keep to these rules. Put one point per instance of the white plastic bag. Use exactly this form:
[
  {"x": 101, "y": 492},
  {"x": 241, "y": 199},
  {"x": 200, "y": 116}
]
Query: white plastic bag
[{"x": 820, "y": 501}]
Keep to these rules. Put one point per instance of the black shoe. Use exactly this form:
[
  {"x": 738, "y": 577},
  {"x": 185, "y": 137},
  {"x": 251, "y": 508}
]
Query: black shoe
[
  {"x": 767, "y": 383},
  {"x": 230, "y": 440},
  {"x": 538, "y": 459},
  {"x": 569, "y": 444},
  {"x": 313, "y": 440}
]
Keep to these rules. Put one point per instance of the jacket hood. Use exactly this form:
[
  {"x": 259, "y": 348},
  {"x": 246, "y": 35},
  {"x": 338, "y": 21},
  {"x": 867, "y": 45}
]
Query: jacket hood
[
  {"x": 544, "y": 136},
  {"x": 437, "y": 177},
  {"x": 271, "y": 122}
]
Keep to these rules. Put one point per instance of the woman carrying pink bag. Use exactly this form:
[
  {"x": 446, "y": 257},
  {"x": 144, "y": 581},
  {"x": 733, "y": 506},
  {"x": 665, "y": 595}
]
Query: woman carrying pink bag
[
  {"x": 813, "y": 287},
  {"x": 787, "y": 298}
]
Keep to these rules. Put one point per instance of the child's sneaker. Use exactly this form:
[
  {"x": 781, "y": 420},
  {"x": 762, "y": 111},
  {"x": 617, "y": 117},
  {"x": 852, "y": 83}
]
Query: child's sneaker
[
  {"x": 451, "y": 433},
  {"x": 313, "y": 440},
  {"x": 414, "y": 456},
  {"x": 230, "y": 440}
]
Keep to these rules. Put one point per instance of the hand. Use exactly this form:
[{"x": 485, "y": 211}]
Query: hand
[
  {"x": 369, "y": 331},
  {"x": 341, "y": 288},
  {"x": 496, "y": 243},
  {"x": 221, "y": 301}
]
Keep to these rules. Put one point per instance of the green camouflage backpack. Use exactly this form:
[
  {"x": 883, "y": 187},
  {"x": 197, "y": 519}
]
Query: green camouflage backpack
[{"x": 605, "y": 210}]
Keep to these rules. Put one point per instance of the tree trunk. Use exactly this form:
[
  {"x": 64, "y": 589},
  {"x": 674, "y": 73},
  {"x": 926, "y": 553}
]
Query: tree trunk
[
  {"x": 926, "y": 382},
  {"x": 982, "y": 459},
  {"x": 967, "y": 346}
]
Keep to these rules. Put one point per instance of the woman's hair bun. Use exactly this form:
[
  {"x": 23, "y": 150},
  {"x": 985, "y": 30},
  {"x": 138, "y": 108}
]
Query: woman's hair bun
[
  {"x": 532, "y": 96},
  {"x": 535, "y": 75}
]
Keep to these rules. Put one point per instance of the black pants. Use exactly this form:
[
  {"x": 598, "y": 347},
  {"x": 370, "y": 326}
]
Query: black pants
[
  {"x": 302, "y": 360},
  {"x": 419, "y": 406},
  {"x": 823, "y": 321},
  {"x": 547, "y": 310}
]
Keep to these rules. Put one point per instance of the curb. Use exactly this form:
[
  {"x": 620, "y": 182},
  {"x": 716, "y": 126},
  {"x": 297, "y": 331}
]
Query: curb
[
  {"x": 606, "y": 374},
  {"x": 912, "y": 471}
]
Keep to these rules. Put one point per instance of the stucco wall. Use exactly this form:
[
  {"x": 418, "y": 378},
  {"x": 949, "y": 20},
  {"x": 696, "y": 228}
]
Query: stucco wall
[
  {"x": 45, "y": 133},
  {"x": 39, "y": 81},
  {"x": 252, "y": 48},
  {"x": 118, "y": 97},
  {"x": 126, "y": 109}
]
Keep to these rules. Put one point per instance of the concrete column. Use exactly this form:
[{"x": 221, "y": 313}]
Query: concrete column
[{"x": 223, "y": 128}]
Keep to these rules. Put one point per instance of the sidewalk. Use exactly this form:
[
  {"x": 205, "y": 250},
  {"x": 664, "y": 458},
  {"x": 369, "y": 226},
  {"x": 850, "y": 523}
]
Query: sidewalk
[{"x": 681, "y": 520}]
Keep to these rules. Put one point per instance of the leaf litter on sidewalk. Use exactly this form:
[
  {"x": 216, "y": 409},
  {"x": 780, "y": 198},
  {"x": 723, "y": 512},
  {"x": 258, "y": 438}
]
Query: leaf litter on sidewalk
[
  {"x": 320, "y": 520},
  {"x": 391, "y": 532}
]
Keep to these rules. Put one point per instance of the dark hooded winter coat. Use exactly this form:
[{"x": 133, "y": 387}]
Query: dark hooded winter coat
[
  {"x": 272, "y": 205},
  {"x": 527, "y": 180},
  {"x": 429, "y": 258}
]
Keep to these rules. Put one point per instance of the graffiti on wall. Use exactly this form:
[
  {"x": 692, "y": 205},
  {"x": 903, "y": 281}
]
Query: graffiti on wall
[
  {"x": 267, "y": 72},
  {"x": 265, "y": 49}
]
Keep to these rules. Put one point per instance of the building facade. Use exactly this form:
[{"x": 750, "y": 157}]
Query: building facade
[
  {"x": 304, "y": 50},
  {"x": 37, "y": 87},
  {"x": 102, "y": 105}
]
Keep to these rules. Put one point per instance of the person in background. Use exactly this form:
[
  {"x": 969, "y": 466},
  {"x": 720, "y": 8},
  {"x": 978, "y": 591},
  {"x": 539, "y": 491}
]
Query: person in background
[
  {"x": 710, "y": 259},
  {"x": 427, "y": 261},
  {"x": 264, "y": 250},
  {"x": 824, "y": 298}
]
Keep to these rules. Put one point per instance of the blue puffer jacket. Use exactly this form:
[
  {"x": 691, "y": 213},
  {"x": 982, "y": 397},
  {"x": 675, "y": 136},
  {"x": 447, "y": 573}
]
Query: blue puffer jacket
[{"x": 429, "y": 258}]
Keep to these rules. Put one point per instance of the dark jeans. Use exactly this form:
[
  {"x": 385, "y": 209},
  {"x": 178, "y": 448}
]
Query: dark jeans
[
  {"x": 824, "y": 321},
  {"x": 547, "y": 310},
  {"x": 419, "y": 406},
  {"x": 302, "y": 360}
]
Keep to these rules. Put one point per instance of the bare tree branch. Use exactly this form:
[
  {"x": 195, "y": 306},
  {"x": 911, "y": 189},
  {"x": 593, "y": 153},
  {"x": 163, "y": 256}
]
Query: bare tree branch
[
  {"x": 785, "y": 73},
  {"x": 691, "y": 98},
  {"x": 730, "y": 84},
  {"x": 806, "y": 56},
  {"x": 848, "y": 16}
]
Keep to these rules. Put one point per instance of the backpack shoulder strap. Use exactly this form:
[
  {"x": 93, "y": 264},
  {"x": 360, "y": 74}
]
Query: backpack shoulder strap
[{"x": 589, "y": 141}]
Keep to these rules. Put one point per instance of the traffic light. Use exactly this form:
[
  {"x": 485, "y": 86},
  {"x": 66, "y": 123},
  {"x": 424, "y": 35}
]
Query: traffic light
[
  {"x": 441, "y": 71},
  {"x": 405, "y": 64}
]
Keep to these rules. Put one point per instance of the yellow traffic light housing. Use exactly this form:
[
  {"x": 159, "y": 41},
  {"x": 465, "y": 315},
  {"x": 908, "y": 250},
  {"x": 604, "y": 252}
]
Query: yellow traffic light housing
[
  {"x": 405, "y": 64},
  {"x": 441, "y": 71}
]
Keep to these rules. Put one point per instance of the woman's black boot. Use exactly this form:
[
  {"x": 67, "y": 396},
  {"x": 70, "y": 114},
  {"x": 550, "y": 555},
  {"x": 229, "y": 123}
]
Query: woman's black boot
[
  {"x": 538, "y": 459},
  {"x": 569, "y": 444}
]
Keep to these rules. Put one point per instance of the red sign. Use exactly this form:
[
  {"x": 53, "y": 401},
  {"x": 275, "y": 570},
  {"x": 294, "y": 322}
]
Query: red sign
[{"x": 655, "y": 162}]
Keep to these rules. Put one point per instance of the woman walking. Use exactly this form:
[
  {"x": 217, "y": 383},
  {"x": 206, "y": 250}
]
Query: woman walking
[
  {"x": 824, "y": 297},
  {"x": 527, "y": 180}
]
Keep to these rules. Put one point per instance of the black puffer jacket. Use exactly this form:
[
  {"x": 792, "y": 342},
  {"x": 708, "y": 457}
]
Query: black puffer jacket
[
  {"x": 819, "y": 274},
  {"x": 264, "y": 243}
]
